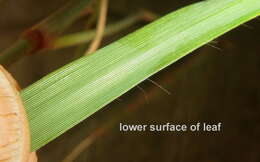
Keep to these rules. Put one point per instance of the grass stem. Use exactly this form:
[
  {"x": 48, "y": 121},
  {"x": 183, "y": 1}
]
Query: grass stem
[
  {"x": 86, "y": 36},
  {"x": 42, "y": 35},
  {"x": 100, "y": 27}
]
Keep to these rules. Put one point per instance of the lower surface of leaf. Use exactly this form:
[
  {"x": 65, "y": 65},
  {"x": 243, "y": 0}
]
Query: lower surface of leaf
[{"x": 69, "y": 95}]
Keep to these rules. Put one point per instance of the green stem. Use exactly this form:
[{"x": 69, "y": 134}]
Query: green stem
[
  {"x": 42, "y": 35},
  {"x": 64, "y": 17},
  {"x": 86, "y": 36},
  {"x": 10, "y": 55}
]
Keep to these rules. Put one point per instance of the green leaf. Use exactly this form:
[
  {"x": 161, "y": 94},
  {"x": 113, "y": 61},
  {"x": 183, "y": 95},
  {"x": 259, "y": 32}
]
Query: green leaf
[{"x": 69, "y": 95}]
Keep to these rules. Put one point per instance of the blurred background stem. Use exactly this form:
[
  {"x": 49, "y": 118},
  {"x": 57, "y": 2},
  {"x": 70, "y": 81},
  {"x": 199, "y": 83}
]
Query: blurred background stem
[
  {"x": 101, "y": 25},
  {"x": 42, "y": 35},
  {"x": 111, "y": 29},
  {"x": 86, "y": 36}
]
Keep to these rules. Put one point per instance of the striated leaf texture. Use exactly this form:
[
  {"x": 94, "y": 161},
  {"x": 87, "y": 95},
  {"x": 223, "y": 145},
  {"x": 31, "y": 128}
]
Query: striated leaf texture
[{"x": 69, "y": 95}]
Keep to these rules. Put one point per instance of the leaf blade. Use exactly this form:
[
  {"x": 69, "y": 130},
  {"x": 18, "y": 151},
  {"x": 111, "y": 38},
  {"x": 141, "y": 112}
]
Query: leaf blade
[{"x": 81, "y": 88}]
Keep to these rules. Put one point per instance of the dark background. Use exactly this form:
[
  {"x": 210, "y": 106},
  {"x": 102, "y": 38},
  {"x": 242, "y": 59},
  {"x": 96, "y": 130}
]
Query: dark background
[{"x": 209, "y": 85}]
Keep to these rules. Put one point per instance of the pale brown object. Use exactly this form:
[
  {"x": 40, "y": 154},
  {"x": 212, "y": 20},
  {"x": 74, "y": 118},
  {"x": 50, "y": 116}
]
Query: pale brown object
[{"x": 14, "y": 129}]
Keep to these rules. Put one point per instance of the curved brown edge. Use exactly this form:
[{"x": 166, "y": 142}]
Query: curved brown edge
[{"x": 15, "y": 134}]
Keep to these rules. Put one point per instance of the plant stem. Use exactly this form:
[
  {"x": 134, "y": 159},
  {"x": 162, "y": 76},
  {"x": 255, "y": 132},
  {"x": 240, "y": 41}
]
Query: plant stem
[
  {"x": 42, "y": 35},
  {"x": 100, "y": 27},
  {"x": 80, "y": 50},
  {"x": 86, "y": 36},
  {"x": 20, "y": 47}
]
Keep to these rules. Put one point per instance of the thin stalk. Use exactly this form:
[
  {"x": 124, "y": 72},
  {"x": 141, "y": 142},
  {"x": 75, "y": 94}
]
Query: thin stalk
[
  {"x": 100, "y": 27},
  {"x": 80, "y": 50},
  {"x": 42, "y": 35}
]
